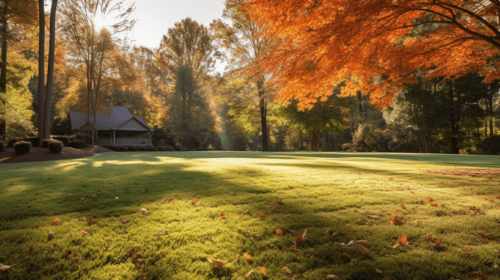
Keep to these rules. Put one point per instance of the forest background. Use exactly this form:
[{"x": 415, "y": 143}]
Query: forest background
[{"x": 413, "y": 105}]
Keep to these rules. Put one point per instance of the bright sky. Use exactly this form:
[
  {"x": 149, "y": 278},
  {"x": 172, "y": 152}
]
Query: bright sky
[{"x": 155, "y": 17}]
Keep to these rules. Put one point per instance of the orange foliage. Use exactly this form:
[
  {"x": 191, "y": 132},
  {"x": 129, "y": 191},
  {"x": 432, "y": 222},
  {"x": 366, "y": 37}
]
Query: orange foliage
[{"x": 321, "y": 43}]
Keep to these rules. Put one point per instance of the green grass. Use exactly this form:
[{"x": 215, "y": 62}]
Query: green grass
[{"x": 328, "y": 192}]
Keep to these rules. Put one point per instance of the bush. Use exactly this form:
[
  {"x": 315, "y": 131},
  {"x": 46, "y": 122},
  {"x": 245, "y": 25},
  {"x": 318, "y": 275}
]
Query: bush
[
  {"x": 11, "y": 142},
  {"x": 167, "y": 136},
  {"x": 154, "y": 149},
  {"x": 149, "y": 148},
  {"x": 131, "y": 148},
  {"x": 168, "y": 148},
  {"x": 55, "y": 146},
  {"x": 490, "y": 145},
  {"x": 159, "y": 143},
  {"x": 364, "y": 139},
  {"x": 111, "y": 147},
  {"x": 72, "y": 138},
  {"x": 193, "y": 142},
  {"x": 63, "y": 139},
  {"x": 77, "y": 144},
  {"x": 347, "y": 147},
  {"x": 22, "y": 147},
  {"x": 87, "y": 140},
  {"x": 141, "y": 148},
  {"x": 179, "y": 148},
  {"x": 122, "y": 149},
  {"x": 45, "y": 143},
  {"x": 161, "y": 148},
  {"x": 34, "y": 141}
]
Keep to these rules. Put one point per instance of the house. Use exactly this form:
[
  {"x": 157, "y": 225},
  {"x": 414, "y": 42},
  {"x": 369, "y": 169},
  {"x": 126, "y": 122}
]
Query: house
[{"x": 115, "y": 126}]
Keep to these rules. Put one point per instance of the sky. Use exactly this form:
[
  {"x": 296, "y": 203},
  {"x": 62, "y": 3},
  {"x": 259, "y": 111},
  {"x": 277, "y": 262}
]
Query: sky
[{"x": 155, "y": 17}]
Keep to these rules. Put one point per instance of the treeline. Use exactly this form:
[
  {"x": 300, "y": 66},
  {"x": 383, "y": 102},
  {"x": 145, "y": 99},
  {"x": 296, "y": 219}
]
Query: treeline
[{"x": 173, "y": 86}]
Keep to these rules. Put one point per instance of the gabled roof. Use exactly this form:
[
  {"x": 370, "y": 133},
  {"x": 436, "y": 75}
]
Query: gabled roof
[{"x": 108, "y": 120}]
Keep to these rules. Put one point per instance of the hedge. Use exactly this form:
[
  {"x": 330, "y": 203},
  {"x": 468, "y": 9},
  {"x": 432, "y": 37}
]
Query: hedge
[
  {"x": 22, "y": 147},
  {"x": 77, "y": 144},
  {"x": 55, "y": 146}
]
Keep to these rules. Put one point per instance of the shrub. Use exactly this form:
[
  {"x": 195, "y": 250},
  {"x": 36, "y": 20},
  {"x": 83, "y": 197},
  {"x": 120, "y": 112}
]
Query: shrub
[
  {"x": 364, "y": 139},
  {"x": 193, "y": 142},
  {"x": 347, "y": 147},
  {"x": 490, "y": 145},
  {"x": 131, "y": 148},
  {"x": 55, "y": 146},
  {"x": 154, "y": 149},
  {"x": 179, "y": 148},
  {"x": 122, "y": 149},
  {"x": 87, "y": 140},
  {"x": 77, "y": 144},
  {"x": 45, "y": 143},
  {"x": 34, "y": 141},
  {"x": 141, "y": 148},
  {"x": 161, "y": 148},
  {"x": 168, "y": 148},
  {"x": 11, "y": 142},
  {"x": 111, "y": 147},
  {"x": 149, "y": 148},
  {"x": 72, "y": 138},
  {"x": 22, "y": 147},
  {"x": 159, "y": 143},
  {"x": 63, "y": 139}
]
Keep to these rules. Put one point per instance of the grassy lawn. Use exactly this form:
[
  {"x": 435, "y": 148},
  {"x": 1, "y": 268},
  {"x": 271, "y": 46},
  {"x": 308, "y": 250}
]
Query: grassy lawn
[{"x": 341, "y": 199}]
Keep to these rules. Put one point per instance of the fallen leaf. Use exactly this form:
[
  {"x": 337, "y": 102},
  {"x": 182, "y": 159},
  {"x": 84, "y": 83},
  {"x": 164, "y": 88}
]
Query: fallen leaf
[
  {"x": 228, "y": 265},
  {"x": 364, "y": 242},
  {"x": 4, "y": 267},
  {"x": 248, "y": 273},
  {"x": 131, "y": 250},
  {"x": 327, "y": 232},
  {"x": 437, "y": 244},
  {"x": 30, "y": 248},
  {"x": 345, "y": 258},
  {"x": 82, "y": 232},
  {"x": 395, "y": 220},
  {"x": 363, "y": 250},
  {"x": 472, "y": 208},
  {"x": 331, "y": 276},
  {"x": 428, "y": 236},
  {"x": 163, "y": 250},
  {"x": 288, "y": 271},
  {"x": 304, "y": 234},
  {"x": 237, "y": 256},
  {"x": 217, "y": 263},
  {"x": 223, "y": 216},
  {"x": 425, "y": 201},
  {"x": 293, "y": 248},
  {"x": 262, "y": 270},
  {"x": 246, "y": 256},
  {"x": 401, "y": 241},
  {"x": 468, "y": 251},
  {"x": 279, "y": 232},
  {"x": 70, "y": 234},
  {"x": 123, "y": 221},
  {"x": 262, "y": 216},
  {"x": 193, "y": 201},
  {"x": 434, "y": 204}
]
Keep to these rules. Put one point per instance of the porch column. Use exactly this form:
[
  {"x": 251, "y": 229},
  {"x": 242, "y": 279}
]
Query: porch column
[{"x": 113, "y": 137}]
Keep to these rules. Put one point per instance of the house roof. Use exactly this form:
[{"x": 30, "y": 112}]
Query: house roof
[{"x": 111, "y": 119}]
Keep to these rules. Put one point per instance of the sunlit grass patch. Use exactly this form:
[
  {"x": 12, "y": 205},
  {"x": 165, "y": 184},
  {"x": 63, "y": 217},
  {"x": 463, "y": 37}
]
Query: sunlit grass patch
[{"x": 338, "y": 199}]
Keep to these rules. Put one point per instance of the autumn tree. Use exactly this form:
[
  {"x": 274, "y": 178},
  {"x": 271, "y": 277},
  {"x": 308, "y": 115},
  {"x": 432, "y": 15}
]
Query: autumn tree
[
  {"x": 241, "y": 38},
  {"x": 92, "y": 48},
  {"x": 370, "y": 43}
]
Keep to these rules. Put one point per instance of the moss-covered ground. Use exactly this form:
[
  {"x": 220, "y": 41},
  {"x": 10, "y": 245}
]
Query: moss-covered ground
[{"x": 336, "y": 197}]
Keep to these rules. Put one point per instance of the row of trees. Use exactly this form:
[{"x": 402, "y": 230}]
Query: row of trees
[{"x": 293, "y": 66}]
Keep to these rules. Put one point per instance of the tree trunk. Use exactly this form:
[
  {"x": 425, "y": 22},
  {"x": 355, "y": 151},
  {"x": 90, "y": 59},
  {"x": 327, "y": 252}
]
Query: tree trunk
[
  {"x": 490, "y": 113},
  {"x": 453, "y": 123},
  {"x": 3, "y": 75},
  {"x": 263, "y": 113},
  {"x": 41, "y": 73},
  {"x": 50, "y": 70}
]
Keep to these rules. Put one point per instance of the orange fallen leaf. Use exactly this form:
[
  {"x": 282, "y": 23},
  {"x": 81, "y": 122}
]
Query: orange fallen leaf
[
  {"x": 434, "y": 204},
  {"x": 304, "y": 234},
  {"x": 472, "y": 208},
  {"x": 163, "y": 250},
  {"x": 428, "y": 236},
  {"x": 279, "y": 232},
  {"x": 280, "y": 202},
  {"x": 437, "y": 244},
  {"x": 364, "y": 242},
  {"x": 395, "y": 220},
  {"x": 82, "y": 232},
  {"x": 223, "y": 216},
  {"x": 228, "y": 265},
  {"x": 193, "y": 201},
  {"x": 56, "y": 222},
  {"x": 401, "y": 241},
  {"x": 46, "y": 225},
  {"x": 468, "y": 251},
  {"x": 293, "y": 248},
  {"x": 331, "y": 276},
  {"x": 70, "y": 234},
  {"x": 363, "y": 250},
  {"x": 262, "y": 270},
  {"x": 345, "y": 258},
  {"x": 238, "y": 256},
  {"x": 246, "y": 256},
  {"x": 327, "y": 232},
  {"x": 288, "y": 271},
  {"x": 248, "y": 273},
  {"x": 262, "y": 216},
  {"x": 217, "y": 263},
  {"x": 425, "y": 201},
  {"x": 30, "y": 248},
  {"x": 131, "y": 250}
]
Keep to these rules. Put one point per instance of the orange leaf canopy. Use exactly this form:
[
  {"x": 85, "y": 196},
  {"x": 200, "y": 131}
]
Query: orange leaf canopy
[{"x": 322, "y": 43}]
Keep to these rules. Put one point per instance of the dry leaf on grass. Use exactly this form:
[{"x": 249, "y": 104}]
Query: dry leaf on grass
[
  {"x": 248, "y": 273},
  {"x": 56, "y": 222},
  {"x": 262, "y": 270},
  {"x": 363, "y": 250},
  {"x": 401, "y": 241},
  {"x": 217, "y": 263},
  {"x": 331, "y": 276},
  {"x": 4, "y": 267},
  {"x": 246, "y": 256},
  {"x": 345, "y": 258},
  {"x": 288, "y": 271}
]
